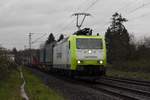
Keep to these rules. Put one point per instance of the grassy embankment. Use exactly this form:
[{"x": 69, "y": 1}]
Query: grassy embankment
[
  {"x": 36, "y": 90},
  {"x": 135, "y": 69},
  {"x": 10, "y": 87}
]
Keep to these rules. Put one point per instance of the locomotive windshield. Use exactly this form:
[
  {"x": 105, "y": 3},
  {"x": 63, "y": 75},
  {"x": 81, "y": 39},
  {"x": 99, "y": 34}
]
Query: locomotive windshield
[{"x": 89, "y": 43}]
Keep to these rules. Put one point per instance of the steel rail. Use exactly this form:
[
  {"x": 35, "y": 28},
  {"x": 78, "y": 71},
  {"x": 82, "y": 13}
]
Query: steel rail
[
  {"x": 129, "y": 92},
  {"x": 130, "y": 81}
]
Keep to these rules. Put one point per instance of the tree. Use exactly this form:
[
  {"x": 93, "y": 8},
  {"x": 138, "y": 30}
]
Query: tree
[
  {"x": 60, "y": 37},
  {"x": 117, "y": 39},
  {"x": 15, "y": 52},
  {"x": 50, "y": 39},
  {"x": 143, "y": 49}
]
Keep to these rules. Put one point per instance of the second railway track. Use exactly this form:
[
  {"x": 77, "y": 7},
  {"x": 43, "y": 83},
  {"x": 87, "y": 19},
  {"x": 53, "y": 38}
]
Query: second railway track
[
  {"x": 124, "y": 88},
  {"x": 129, "y": 81}
]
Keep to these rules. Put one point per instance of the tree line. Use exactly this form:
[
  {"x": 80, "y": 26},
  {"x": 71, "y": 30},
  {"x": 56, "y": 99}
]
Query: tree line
[
  {"x": 121, "y": 46},
  {"x": 51, "y": 38},
  {"x": 6, "y": 63}
]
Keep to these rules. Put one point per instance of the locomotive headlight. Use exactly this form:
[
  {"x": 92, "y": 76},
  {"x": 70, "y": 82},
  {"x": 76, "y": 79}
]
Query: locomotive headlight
[
  {"x": 90, "y": 51},
  {"x": 79, "y": 61},
  {"x": 101, "y": 62}
]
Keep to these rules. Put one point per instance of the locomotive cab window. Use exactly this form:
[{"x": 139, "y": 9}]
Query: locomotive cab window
[{"x": 89, "y": 43}]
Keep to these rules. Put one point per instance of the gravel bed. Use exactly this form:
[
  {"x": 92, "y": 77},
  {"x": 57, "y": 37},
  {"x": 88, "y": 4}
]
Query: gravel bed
[{"x": 72, "y": 91}]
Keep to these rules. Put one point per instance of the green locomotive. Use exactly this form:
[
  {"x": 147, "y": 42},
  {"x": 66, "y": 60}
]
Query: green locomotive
[{"x": 80, "y": 55}]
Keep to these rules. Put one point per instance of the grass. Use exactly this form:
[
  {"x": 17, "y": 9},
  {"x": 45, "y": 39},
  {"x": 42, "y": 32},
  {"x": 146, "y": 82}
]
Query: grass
[
  {"x": 128, "y": 74},
  {"x": 10, "y": 87},
  {"x": 133, "y": 66},
  {"x": 36, "y": 90},
  {"x": 137, "y": 69}
]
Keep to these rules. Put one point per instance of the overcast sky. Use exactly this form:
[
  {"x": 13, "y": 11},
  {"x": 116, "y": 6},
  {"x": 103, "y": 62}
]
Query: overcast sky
[{"x": 20, "y": 17}]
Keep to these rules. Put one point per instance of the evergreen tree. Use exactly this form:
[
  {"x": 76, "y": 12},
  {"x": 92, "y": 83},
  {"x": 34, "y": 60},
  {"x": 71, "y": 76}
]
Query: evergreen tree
[
  {"x": 117, "y": 39},
  {"x": 50, "y": 39},
  {"x": 60, "y": 37},
  {"x": 15, "y": 52}
]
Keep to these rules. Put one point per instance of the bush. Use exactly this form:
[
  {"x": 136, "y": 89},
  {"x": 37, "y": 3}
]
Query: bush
[
  {"x": 6, "y": 66},
  {"x": 141, "y": 65}
]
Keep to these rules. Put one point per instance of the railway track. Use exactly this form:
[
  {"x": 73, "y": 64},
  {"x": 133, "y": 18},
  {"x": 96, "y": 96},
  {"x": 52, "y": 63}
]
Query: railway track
[
  {"x": 129, "y": 81},
  {"x": 126, "y": 89},
  {"x": 122, "y": 89},
  {"x": 116, "y": 88}
]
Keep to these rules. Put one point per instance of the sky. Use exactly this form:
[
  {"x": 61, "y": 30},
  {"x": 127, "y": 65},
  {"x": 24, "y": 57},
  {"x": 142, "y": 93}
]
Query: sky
[{"x": 18, "y": 18}]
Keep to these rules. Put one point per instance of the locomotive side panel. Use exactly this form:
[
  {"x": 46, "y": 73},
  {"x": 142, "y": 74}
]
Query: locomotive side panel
[
  {"x": 42, "y": 55},
  {"x": 61, "y": 56},
  {"x": 49, "y": 54}
]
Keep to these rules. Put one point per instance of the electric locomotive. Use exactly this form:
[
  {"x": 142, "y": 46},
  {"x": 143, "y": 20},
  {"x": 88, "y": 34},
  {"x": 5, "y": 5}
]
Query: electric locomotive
[{"x": 80, "y": 55}]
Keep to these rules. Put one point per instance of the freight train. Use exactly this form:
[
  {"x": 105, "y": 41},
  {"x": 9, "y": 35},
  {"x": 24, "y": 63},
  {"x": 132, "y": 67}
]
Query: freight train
[{"x": 76, "y": 55}]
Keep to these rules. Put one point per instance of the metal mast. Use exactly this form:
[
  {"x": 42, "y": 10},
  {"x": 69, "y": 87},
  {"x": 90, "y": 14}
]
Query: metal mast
[
  {"x": 30, "y": 53},
  {"x": 84, "y": 16},
  {"x": 31, "y": 42}
]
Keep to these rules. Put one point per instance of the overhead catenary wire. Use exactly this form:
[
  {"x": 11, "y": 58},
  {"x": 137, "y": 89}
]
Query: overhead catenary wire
[
  {"x": 37, "y": 39},
  {"x": 141, "y": 16},
  {"x": 138, "y": 8},
  {"x": 131, "y": 11},
  {"x": 78, "y": 8},
  {"x": 90, "y": 6},
  {"x": 119, "y": 10},
  {"x": 71, "y": 21},
  {"x": 126, "y": 6},
  {"x": 93, "y": 3},
  {"x": 66, "y": 26},
  {"x": 141, "y": 6},
  {"x": 134, "y": 10}
]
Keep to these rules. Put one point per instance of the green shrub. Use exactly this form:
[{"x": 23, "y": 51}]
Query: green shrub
[
  {"x": 6, "y": 66},
  {"x": 142, "y": 65}
]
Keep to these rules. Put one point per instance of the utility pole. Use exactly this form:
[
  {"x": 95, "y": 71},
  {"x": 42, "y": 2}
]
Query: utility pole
[
  {"x": 78, "y": 15},
  {"x": 31, "y": 42},
  {"x": 30, "y": 51}
]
